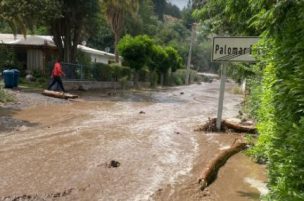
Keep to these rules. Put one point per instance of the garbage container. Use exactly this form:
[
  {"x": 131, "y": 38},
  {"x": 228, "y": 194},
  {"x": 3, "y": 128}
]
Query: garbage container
[
  {"x": 16, "y": 77},
  {"x": 8, "y": 76}
]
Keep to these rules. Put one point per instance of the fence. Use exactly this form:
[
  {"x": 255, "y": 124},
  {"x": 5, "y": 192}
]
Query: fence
[
  {"x": 99, "y": 72},
  {"x": 73, "y": 71}
]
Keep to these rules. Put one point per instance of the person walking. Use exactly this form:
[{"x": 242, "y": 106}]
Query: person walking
[{"x": 57, "y": 73}]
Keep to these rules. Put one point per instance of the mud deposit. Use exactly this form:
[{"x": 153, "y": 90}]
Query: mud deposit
[{"x": 64, "y": 149}]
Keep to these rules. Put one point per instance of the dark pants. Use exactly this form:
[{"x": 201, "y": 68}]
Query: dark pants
[{"x": 56, "y": 79}]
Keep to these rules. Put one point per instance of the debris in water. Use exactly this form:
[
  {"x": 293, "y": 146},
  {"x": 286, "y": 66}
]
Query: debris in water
[
  {"x": 177, "y": 133},
  {"x": 181, "y": 93},
  {"x": 114, "y": 164},
  {"x": 209, "y": 126},
  {"x": 206, "y": 193},
  {"x": 229, "y": 125},
  {"x": 142, "y": 112},
  {"x": 44, "y": 197},
  {"x": 22, "y": 128}
]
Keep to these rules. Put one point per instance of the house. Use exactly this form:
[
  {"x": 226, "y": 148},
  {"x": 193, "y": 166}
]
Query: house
[
  {"x": 98, "y": 56},
  {"x": 35, "y": 51}
]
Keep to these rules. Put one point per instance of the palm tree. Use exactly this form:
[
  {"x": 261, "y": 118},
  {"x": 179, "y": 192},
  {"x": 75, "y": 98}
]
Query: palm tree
[{"x": 115, "y": 12}]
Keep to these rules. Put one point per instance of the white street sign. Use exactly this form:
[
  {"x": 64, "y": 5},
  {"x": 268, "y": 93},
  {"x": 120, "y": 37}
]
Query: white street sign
[{"x": 233, "y": 49}]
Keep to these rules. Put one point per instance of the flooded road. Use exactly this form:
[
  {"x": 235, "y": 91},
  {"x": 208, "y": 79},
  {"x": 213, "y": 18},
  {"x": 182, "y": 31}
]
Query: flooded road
[{"x": 65, "y": 153}]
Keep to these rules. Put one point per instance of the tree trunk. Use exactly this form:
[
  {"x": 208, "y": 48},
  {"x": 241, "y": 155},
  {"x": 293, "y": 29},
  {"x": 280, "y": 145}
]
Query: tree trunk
[
  {"x": 76, "y": 40},
  {"x": 56, "y": 30},
  {"x": 230, "y": 124},
  {"x": 237, "y": 125},
  {"x": 169, "y": 77},
  {"x": 166, "y": 78},
  {"x": 162, "y": 79},
  {"x": 153, "y": 79},
  {"x": 136, "y": 75},
  {"x": 116, "y": 48},
  {"x": 209, "y": 174},
  {"x": 67, "y": 42}
]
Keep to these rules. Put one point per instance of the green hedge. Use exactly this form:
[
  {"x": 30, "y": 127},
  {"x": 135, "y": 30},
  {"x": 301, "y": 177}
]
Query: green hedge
[
  {"x": 281, "y": 113},
  {"x": 113, "y": 72}
]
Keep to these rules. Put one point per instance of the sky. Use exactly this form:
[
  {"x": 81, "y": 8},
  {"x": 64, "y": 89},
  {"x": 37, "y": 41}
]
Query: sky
[{"x": 180, "y": 3}]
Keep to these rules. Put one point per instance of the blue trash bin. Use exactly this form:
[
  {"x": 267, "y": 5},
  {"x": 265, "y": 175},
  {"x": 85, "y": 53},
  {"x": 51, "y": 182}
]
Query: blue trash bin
[
  {"x": 8, "y": 76},
  {"x": 16, "y": 77}
]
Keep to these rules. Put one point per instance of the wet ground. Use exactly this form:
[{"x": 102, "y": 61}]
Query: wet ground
[{"x": 62, "y": 150}]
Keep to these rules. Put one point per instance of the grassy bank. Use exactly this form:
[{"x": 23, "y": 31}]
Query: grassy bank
[{"x": 5, "y": 97}]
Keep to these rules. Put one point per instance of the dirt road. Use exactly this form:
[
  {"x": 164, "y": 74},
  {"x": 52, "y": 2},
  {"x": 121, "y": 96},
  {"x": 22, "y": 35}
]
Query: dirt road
[{"x": 64, "y": 150}]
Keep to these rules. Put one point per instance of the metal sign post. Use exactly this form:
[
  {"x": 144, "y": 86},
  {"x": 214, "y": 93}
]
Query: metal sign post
[
  {"x": 230, "y": 49},
  {"x": 221, "y": 97}
]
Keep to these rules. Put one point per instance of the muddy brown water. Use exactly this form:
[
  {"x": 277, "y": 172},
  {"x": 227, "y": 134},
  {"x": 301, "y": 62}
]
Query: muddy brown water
[{"x": 64, "y": 151}]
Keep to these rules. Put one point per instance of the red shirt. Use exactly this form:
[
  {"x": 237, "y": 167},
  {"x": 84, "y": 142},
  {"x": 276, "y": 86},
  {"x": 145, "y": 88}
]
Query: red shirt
[{"x": 57, "y": 70}]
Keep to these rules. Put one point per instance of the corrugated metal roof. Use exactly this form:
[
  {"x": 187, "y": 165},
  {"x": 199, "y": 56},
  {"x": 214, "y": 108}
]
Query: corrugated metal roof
[
  {"x": 34, "y": 41},
  {"x": 41, "y": 40},
  {"x": 6, "y": 38},
  {"x": 94, "y": 51}
]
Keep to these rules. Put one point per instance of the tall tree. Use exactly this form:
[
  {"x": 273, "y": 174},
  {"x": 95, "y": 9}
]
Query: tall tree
[
  {"x": 116, "y": 11},
  {"x": 146, "y": 22},
  {"x": 101, "y": 36},
  {"x": 231, "y": 17},
  {"x": 173, "y": 10},
  {"x": 159, "y": 7},
  {"x": 76, "y": 17},
  {"x": 23, "y": 15}
]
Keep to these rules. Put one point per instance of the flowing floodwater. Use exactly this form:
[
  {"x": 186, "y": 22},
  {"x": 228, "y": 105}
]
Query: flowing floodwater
[{"x": 64, "y": 150}]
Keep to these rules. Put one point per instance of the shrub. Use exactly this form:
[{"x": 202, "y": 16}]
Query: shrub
[
  {"x": 118, "y": 72},
  {"x": 102, "y": 72},
  {"x": 178, "y": 77},
  {"x": 136, "y": 52}
]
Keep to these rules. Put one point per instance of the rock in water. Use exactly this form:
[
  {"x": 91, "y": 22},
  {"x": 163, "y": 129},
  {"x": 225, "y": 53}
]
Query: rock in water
[{"x": 114, "y": 164}]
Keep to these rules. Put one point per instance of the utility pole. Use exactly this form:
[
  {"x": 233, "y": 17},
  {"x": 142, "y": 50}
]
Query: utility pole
[{"x": 190, "y": 54}]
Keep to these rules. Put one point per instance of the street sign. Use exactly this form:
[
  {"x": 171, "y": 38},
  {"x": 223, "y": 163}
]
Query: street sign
[
  {"x": 230, "y": 49},
  {"x": 233, "y": 49}
]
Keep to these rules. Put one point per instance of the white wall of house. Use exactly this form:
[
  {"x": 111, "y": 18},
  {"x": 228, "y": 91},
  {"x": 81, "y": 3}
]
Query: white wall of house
[{"x": 101, "y": 59}]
